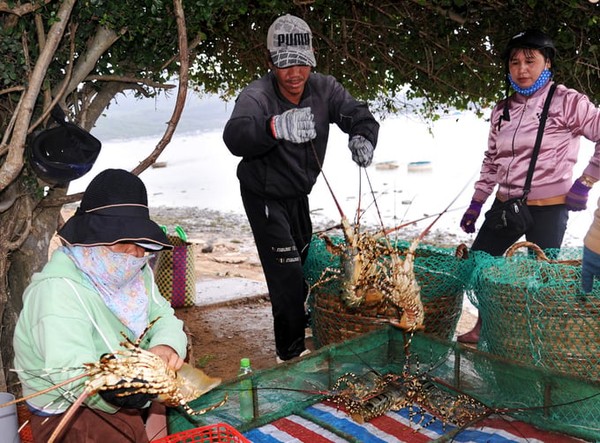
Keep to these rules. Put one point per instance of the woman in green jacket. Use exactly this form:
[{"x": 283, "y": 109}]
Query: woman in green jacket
[{"x": 96, "y": 287}]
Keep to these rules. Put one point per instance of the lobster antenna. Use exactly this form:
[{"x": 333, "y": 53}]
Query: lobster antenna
[
  {"x": 425, "y": 217},
  {"x": 359, "y": 197},
  {"x": 428, "y": 228},
  {"x": 326, "y": 181},
  {"x": 374, "y": 199}
]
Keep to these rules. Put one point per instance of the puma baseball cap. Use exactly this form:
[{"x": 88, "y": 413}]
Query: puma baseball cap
[{"x": 289, "y": 41}]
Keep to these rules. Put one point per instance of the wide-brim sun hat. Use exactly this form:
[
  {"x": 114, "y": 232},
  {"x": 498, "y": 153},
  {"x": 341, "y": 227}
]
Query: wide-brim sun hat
[
  {"x": 114, "y": 209},
  {"x": 289, "y": 41}
]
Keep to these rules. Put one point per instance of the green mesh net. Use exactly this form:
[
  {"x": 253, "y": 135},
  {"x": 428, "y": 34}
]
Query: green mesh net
[
  {"x": 537, "y": 361},
  {"x": 534, "y": 313},
  {"x": 533, "y": 310},
  {"x": 558, "y": 402},
  {"x": 442, "y": 273}
]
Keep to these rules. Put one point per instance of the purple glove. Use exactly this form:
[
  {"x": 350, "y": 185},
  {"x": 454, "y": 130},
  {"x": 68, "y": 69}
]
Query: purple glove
[
  {"x": 468, "y": 220},
  {"x": 577, "y": 196}
]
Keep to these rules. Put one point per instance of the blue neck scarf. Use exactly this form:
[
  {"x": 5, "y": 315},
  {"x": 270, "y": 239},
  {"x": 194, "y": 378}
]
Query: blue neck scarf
[{"x": 539, "y": 83}]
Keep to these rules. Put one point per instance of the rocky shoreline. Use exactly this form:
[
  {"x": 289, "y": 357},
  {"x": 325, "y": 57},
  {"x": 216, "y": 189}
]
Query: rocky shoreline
[
  {"x": 198, "y": 221},
  {"x": 208, "y": 223}
]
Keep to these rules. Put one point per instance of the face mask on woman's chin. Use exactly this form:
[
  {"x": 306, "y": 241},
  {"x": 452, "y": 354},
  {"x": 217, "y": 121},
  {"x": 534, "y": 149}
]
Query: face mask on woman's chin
[{"x": 541, "y": 81}]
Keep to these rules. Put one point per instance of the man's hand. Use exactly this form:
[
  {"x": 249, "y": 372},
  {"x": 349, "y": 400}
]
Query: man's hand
[
  {"x": 467, "y": 223},
  {"x": 296, "y": 125},
  {"x": 590, "y": 268},
  {"x": 362, "y": 150}
]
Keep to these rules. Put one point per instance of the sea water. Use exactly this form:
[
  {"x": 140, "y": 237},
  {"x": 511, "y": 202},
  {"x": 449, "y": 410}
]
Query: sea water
[{"x": 200, "y": 172}]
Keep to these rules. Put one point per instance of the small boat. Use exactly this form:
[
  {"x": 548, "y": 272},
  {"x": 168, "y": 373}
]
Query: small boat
[
  {"x": 419, "y": 166},
  {"x": 386, "y": 165}
]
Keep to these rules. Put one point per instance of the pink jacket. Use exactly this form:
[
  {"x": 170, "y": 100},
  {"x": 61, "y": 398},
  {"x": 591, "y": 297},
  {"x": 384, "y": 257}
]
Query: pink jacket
[{"x": 506, "y": 160}]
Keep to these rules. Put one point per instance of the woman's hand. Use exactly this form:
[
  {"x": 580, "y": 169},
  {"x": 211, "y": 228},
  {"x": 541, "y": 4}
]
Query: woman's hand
[
  {"x": 468, "y": 220},
  {"x": 577, "y": 197},
  {"x": 169, "y": 356}
]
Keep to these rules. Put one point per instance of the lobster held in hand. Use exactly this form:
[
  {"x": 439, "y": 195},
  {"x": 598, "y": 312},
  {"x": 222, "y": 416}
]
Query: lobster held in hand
[
  {"x": 136, "y": 371},
  {"x": 131, "y": 371},
  {"x": 373, "y": 271}
]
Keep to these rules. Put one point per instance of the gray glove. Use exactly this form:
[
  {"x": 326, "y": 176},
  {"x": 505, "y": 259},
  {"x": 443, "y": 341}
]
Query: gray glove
[
  {"x": 362, "y": 150},
  {"x": 296, "y": 125}
]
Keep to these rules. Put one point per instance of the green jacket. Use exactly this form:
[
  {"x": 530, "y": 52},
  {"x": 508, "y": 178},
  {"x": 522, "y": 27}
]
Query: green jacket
[{"x": 64, "y": 323}]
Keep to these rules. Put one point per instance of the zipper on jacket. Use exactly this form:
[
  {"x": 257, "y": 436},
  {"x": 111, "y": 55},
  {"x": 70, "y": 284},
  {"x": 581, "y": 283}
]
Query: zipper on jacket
[{"x": 513, "y": 147}]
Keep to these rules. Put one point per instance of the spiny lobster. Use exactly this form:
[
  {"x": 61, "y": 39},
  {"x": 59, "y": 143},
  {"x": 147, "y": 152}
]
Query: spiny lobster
[{"x": 124, "y": 368}]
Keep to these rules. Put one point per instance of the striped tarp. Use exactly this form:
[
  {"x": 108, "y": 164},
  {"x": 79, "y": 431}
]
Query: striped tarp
[{"x": 324, "y": 423}]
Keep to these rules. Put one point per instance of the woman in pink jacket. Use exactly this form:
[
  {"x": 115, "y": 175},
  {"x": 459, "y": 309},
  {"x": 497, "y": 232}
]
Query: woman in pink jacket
[{"x": 529, "y": 60}]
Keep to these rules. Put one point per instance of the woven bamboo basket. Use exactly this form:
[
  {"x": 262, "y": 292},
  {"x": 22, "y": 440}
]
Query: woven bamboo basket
[
  {"x": 334, "y": 322},
  {"x": 533, "y": 312}
]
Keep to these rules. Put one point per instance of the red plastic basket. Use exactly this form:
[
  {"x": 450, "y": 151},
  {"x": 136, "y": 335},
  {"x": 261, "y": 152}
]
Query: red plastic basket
[
  {"x": 217, "y": 433},
  {"x": 23, "y": 415}
]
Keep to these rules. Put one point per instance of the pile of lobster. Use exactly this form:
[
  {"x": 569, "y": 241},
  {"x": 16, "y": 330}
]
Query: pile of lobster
[
  {"x": 370, "y": 395},
  {"x": 374, "y": 271}
]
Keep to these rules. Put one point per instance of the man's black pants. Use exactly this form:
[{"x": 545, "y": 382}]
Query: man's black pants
[{"x": 282, "y": 232}]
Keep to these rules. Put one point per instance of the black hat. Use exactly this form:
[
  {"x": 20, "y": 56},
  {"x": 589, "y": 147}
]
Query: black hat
[
  {"x": 531, "y": 39},
  {"x": 114, "y": 209},
  {"x": 62, "y": 153}
]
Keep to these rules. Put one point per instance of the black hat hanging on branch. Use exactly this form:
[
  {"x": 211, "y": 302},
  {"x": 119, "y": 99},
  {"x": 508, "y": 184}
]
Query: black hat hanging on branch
[{"x": 63, "y": 153}]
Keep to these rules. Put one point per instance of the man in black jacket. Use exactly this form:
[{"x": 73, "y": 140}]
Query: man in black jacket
[{"x": 280, "y": 126}]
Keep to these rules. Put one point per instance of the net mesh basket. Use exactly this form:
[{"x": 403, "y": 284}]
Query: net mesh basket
[
  {"x": 442, "y": 274},
  {"x": 533, "y": 310}
]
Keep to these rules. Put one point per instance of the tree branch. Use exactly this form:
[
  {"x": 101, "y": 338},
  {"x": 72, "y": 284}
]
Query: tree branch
[
  {"x": 13, "y": 89},
  {"x": 122, "y": 79},
  {"x": 171, "y": 126},
  {"x": 61, "y": 91},
  {"x": 23, "y": 9},
  {"x": 184, "y": 61},
  {"x": 98, "y": 45},
  {"x": 449, "y": 14},
  {"x": 14, "y": 160}
]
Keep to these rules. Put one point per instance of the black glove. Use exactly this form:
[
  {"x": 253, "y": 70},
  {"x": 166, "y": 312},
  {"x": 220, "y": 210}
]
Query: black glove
[{"x": 120, "y": 397}]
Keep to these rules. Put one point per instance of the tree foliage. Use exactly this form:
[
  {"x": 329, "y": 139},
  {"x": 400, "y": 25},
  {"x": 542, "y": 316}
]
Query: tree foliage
[
  {"x": 80, "y": 54},
  {"x": 445, "y": 52}
]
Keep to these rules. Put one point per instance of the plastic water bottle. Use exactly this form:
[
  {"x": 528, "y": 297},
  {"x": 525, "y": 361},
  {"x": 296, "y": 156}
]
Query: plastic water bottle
[{"x": 246, "y": 394}]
